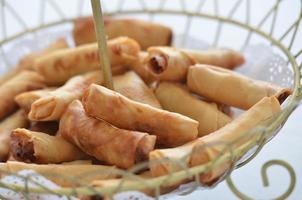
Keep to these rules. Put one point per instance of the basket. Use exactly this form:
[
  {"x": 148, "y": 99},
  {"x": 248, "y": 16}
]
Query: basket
[{"x": 205, "y": 20}]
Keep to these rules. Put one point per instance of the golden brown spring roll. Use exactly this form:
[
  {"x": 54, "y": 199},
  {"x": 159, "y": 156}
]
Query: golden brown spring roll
[
  {"x": 59, "y": 66},
  {"x": 50, "y": 128},
  {"x": 78, "y": 162},
  {"x": 25, "y": 99},
  {"x": 132, "y": 86},
  {"x": 141, "y": 68},
  {"x": 176, "y": 98},
  {"x": 16, "y": 120},
  {"x": 197, "y": 153},
  {"x": 83, "y": 173},
  {"x": 145, "y": 33},
  {"x": 171, "y": 129},
  {"x": 25, "y": 81},
  {"x": 172, "y": 64},
  {"x": 26, "y": 63},
  {"x": 105, "y": 142},
  {"x": 37, "y": 147},
  {"x": 231, "y": 88},
  {"x": 52, "y": 106}
]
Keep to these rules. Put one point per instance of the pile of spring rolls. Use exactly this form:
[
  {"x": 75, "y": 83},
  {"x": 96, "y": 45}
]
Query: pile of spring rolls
[{"x": 57, "y": 118}]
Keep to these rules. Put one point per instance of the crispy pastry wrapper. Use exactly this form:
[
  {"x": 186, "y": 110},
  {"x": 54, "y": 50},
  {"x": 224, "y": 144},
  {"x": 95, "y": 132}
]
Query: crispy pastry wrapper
[
  {"x": 59, "y": 66},
  {"x": 105, "y": 142},
  {"x": 82, "y": 173},
  {"x": 145, "y": 33},
  {"x": 171, "y": 129},
  {"x": 16, "y": 120},
  {"x": 25, "y": 99},
  {"x": 203, "y": 150},
  {"x": 52, "y": 106},
  {"x": 172, "y": 64},
  {"x": 140, "y": 67},
  {"x": 176, "y": 98},
  {"x": 132, "y": 86},
  {"x": 37, "y": 147},
  {"x": 24, "y": 81},
  {"x": 230, "y": 88},
  {"x": 26, "y": 63}
]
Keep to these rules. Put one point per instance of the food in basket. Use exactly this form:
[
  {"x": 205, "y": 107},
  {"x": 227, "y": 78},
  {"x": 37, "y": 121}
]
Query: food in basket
[
  {"x": 52, "y": 105},
  {"x": 171, "y": 129},
  {"x": 102, "y": 140},
  {"x": 167, "y": 103},
  {"x": 175, "y": 97},
  {"x": 172, "y": 64},
  {"x": 26, "y": 63},
  {"x": 231, "y": 88},
  {"x": 59, "y": 66},
  {"x": 139, "y": 30},
  {"x": 132, "y": 86},
  {"x": 16, "y": 120},
  {"x": 207, "y": 148},
  {"x": 25, "y": 81}
]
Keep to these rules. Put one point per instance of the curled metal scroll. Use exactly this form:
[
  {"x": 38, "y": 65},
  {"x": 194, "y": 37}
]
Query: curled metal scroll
[{"x": 265, "y": 180}]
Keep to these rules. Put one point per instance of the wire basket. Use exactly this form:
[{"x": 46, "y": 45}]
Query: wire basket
[{"x": 197, "y": 20}]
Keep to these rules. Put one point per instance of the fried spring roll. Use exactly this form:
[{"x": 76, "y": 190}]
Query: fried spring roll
[
  {"x": 171, "y": 64},
  {"x": 59, "y": 66},
  {"x": 26, "y": 63},
  {"x": 171, "y": 129},
  {"x": 145, "y": 33},
  {"x": 105, "y": 142},
  {"x": 198, "y": 153},
  {"x": 52, "y": 106},
  {"x": 141, "y": 68},
  {"x": 78, "y": 162},
  {"x": 25, "y": 99},
  {"x": 37, "y": 147},
  {"x": 231, "y": 88},
  {"x": 132, "y": 86},
  {"x": 175, "y": 98},
  {"x": 82, "y": 173},
  {"x": 16, "y": 120},
  {"x": 25, "y": 81}
]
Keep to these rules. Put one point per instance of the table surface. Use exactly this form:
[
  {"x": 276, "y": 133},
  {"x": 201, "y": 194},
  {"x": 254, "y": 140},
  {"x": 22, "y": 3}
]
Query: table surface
[{"x": 284, "y": 146}]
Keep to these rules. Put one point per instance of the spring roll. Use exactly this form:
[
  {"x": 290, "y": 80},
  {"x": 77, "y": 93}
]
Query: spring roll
[
  {"x": 50, "y": 128},
  {"x": 52, "y": 106},
  {"x": 175, "y": 98},
  {"x": 145, "y": 33},
  {"x": 132, "y": 86},
  {"x": 25, "y": 99},
  {"x": 16, "y": 120},
  {"x": 198, "y": 153},
  {"x": 78, "y": 162},
  {"x": 59, "y": 66},
  {"x": 105, "y": 142},
  {"x": 25, "y": 81},
  {"x": 26, "y": 63},
  {"x": 37, "y": 147},
  {"x": 171, "y": 129},
  {"x": 82, "y": 173},
  {"x": 231, "y": 88},
  {"x": 142, "y": 69},
  {"x": 172, "y": 64}
]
